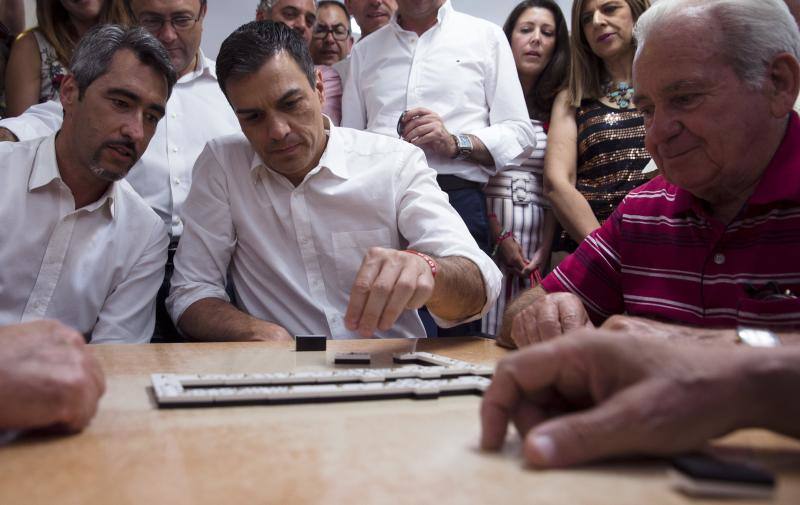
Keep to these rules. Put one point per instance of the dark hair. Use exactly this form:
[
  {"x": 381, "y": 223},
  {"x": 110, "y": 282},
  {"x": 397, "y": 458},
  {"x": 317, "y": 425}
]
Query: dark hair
[
  {"x": 93, "y": 54},
  {"x": 323, "y": 3},
  {"x": 540, "y": 97},
  {"x": 246, "y": 50}
]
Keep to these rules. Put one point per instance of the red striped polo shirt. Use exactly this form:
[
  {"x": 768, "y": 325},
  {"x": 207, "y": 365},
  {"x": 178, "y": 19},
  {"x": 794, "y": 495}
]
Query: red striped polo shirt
[{"x": 660, "y": 255}]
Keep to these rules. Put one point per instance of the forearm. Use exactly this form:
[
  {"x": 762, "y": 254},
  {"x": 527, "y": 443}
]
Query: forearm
[
  {"x": 572, "y": 210},
  {"x": 524, "y": 300},
  {"x": 772, "y": 381},
  {"x": 480, "y": 153},
  {"x": 459, "y": 290},
  {"x": 212, "y": 319}
]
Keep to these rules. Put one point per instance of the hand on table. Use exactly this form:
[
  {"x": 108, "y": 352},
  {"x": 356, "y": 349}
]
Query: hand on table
[
  {"x": 596, "y": 394},
  {"x": 48, "y": 377},
  {"x": 656, "y": 329},
  {"x": 548, "y": 317},
  {"x": 388, "y": 282},
  {"x": 425, "y": 129}
]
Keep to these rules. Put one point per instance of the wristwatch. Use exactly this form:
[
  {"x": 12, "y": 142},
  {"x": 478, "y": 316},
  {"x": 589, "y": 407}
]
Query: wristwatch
[
  {"x": 463, "y": 147},
  {"x": 756, "y": 337}
]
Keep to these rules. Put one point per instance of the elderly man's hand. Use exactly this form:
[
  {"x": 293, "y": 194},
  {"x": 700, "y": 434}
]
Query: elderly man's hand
[
  {"x": 548, "y": 317},
  {"x": 644, "y": 327},
  {"x": 596, "y": 394},
  {"x": 387, "y": 283},
  {"x": 425, "y": 129},
  {"x": 48, "y": 377}
]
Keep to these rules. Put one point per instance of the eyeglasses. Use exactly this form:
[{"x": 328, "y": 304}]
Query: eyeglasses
[
  {"x": 339, "y": 32},
  {"x": 154, "y": 24}
]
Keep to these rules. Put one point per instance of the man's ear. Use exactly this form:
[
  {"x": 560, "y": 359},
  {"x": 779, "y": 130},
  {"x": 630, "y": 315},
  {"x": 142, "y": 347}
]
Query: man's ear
[
  {"x": 68, "y": 93},
  {"x": 784, "y": 84},
  {"x": 203, "y": 10},
  {"x": 320, "y": 87}
]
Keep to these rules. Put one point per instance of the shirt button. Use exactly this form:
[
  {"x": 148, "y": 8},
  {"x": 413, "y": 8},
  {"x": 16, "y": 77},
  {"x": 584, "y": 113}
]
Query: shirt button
[
  {"x": 177, "y": 181},
  {"x": 174, "y": 149},
  {"x": 173, "y": 115},
  {"x": 719, "y": 258}
]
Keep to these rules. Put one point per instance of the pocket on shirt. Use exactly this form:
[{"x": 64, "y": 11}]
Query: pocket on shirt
[
  {"x": 784, "y": 312},
  {"x": 349, "y": 249}
]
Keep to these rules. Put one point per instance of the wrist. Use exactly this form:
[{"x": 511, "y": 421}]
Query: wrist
[
  {"x": 429, "y": 260},
  {"x": 770, "y": 381}
]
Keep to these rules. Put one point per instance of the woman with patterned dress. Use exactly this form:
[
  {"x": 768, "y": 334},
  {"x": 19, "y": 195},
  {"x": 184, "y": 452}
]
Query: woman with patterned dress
[
  {"x": 521, "y": 222},
  {"x": 39, "y": 58},
  {"x": 596, "y": 151}
]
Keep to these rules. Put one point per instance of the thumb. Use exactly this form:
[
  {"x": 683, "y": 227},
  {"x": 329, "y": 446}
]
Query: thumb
[{"x": 600, "y": 432}]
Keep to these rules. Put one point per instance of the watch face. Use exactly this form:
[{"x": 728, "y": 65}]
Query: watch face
[{"x": 757, "y": 337}]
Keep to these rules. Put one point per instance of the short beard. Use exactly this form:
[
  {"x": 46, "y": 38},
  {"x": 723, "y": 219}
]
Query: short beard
[{"x": 107, "y": 175}]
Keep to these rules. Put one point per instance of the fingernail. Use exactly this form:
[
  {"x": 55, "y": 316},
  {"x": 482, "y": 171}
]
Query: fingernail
[{"x": 545, "y": 447}]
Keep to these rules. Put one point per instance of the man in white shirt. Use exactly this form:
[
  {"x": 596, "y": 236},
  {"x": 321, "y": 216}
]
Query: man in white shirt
[
  {"x": 79, "y": 245},
  {"x": 301, "y": 15},
  {"x": 325, "y": 230},
  {"x": 370, "y": 15},
  {"x": 196, "y": 112},
  {"x": 447, "y": 83}
]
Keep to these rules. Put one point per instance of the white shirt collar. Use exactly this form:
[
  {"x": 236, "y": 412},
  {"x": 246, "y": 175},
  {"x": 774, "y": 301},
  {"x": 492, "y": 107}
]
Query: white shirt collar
[
  {"x": 45, "y": 170},
  {"x": 203, "y": 67}
]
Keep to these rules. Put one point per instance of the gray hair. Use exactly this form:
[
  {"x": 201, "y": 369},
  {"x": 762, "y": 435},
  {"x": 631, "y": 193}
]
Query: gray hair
[
  {"x": 93, "y": 54},
  {"x": 752, "y": 32},
  {"x": 267, "y": 5}
]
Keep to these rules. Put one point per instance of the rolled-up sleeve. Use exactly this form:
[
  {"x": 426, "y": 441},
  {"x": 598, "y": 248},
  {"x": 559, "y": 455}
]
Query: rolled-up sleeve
[
  {"x": 509, "y": 135},
  {"x": 431, "y": 225},
  {"x": 208, "y": 240}
]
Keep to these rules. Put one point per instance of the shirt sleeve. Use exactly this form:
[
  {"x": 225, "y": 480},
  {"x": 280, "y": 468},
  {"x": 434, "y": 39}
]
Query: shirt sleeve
[
  {"x": 593, "y": 272},
  {"x": 354, "y": 113},
  {"x": 430, "y": 225},
  {"x": 128, "y": 313},
  {"x": 208, "y": 240},
  {"x": 39, "y": 120},
  {"x": 509, "y": 135},
  {"x": 332, "y": 86}
]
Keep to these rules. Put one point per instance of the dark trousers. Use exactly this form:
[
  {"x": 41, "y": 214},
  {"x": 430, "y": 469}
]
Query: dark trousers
[{"x": 468, "y": 200}]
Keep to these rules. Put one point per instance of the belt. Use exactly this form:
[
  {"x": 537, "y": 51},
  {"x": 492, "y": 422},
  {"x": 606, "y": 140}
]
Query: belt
[
  {"x": 520, "y": 189},
  {"x": 453, "y": 183}
]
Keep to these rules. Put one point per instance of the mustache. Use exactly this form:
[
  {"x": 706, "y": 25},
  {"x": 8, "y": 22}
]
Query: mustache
[{"x": 124, "y": 144}]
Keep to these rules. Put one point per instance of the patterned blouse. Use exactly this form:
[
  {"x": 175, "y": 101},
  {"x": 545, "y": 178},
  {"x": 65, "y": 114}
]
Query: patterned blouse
[
  {"x": 53, "y": 71},
  {"x": 611, "y": 157}
]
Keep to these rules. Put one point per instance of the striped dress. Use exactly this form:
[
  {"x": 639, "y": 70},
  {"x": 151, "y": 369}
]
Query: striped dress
[{"x": 515, "y": 196}]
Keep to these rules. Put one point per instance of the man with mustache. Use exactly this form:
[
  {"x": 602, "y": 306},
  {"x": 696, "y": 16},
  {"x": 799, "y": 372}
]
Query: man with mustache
[
  {"x": 196, "y": 112},
  {"x": 79, "y": 245}
]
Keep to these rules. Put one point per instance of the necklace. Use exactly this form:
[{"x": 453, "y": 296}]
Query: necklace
[{"x": 620, "y": 95}]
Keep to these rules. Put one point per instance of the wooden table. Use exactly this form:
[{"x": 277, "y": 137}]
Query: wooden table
[{"x": 391, "y": 451}]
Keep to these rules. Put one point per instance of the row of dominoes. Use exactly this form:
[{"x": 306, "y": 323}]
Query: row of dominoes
[{"x": 417, "y": 388}]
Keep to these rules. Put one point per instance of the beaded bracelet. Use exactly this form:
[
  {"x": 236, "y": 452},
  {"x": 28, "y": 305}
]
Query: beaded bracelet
[
  {"x": 503, "y": 235},
  {"x": 431, "y": 263}
]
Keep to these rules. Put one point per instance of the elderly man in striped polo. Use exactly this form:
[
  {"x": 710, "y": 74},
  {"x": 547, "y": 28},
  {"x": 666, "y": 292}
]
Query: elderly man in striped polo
[{"x": 713, "y": 243}]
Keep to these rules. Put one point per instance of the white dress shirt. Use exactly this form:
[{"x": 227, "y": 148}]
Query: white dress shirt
[
  {"x": 96, "y": 268},
  {"x": 462, "y": 69},
  {"x": 294, "y": 251},
  {"x": 197, "y": 112}
]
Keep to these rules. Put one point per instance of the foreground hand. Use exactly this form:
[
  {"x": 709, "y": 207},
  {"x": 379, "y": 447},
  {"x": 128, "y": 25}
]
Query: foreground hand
[
  {"x": 48, "y": 377},
  {"x": 425, "y": 129},
  {"x": 595, "y": 394},
  {"x": 548, "y": 317},
  {"x": 387, "y": 283}
]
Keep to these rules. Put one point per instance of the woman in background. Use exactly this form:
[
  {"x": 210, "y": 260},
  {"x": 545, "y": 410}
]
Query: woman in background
[
  {"x": 521, "y": 223},
  {"x": 39, "y": 58},
  {"x": 596, "y": 150}
]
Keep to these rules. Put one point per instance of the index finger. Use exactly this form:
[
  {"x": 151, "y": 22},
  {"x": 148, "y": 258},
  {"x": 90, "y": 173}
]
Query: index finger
[
  {"x": 419, "y": 111},
  {"x": 359, "y": 294},
  {"x": 517, "y": 377}
]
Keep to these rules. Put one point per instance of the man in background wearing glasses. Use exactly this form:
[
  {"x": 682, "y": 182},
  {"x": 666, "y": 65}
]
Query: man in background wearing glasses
[
  {"x": 331, "y": 39},
  {"x": 196, "y": 112}
]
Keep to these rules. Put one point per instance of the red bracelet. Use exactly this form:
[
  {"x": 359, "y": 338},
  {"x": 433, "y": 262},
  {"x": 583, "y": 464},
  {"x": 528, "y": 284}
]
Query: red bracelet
[
  {"x": 504, "y": 236},
  {"x": 427, "y": 259}
]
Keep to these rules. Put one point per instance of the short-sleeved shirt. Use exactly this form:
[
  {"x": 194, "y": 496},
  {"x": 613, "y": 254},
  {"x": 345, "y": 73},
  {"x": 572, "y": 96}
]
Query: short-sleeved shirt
[{"x": 661, "y": 255}]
